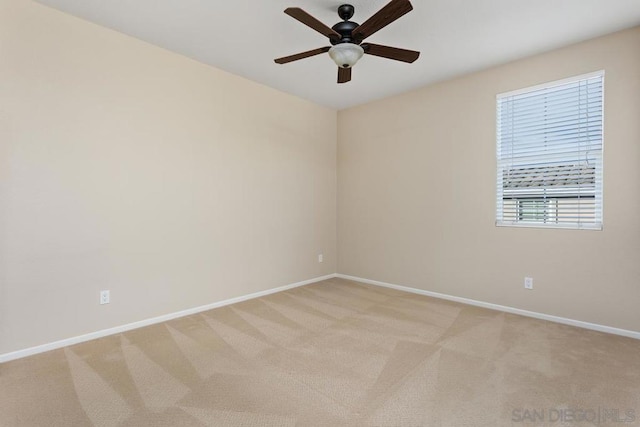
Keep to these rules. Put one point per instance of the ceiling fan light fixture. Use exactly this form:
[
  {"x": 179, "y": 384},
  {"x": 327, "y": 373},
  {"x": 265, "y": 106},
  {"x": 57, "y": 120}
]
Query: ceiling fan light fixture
[
  {"x": 345, "y": 55},
  {"x": 346, "y": 37}
]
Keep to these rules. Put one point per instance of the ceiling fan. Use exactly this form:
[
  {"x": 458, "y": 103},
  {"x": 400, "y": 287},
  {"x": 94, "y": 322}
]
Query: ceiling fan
[{"x": 346, "y": 37}]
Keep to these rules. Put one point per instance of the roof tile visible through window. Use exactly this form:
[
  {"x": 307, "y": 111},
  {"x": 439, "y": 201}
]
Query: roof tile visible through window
[{"x": 568, "y": 175}]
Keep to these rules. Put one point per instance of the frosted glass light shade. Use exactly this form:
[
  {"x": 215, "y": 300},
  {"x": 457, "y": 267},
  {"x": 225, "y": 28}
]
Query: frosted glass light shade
[{"x": 345, "y": 55}]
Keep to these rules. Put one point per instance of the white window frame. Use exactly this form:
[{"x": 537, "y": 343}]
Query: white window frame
[{"x": 517, "y": 219}]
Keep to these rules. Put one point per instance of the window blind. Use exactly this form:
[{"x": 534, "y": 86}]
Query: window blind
[{"x": 549, "y": 154}]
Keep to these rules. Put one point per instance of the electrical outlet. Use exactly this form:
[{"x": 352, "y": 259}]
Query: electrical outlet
[
  {"x": 320, "y": 258},
  {"x": 105, "y": 297},
  {"x": 528, "y": 282}
]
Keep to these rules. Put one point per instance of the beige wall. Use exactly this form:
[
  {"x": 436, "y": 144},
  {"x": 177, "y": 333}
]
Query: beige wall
[
  {"x": 416, "y": 194},
  {"x": 129, "y": 168}
]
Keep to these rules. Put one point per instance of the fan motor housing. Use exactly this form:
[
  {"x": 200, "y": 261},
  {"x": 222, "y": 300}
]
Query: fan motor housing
[{"x": 345, "y": 29}]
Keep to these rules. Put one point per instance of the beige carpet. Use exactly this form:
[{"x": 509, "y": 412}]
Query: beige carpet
[{"x": 330, "y": 354}]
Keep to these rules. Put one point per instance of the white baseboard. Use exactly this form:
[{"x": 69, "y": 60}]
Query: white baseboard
[
  {"x": 135, "y": 325},
  {"x": 542, "y": 316}
]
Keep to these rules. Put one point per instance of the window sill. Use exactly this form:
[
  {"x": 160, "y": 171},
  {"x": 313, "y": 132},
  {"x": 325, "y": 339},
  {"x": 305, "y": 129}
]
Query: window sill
[{"x": 594, "y": 227}]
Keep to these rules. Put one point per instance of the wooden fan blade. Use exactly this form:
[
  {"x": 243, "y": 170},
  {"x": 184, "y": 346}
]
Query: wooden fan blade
[
  {"x": 389, "y": 52},
  {"x": 385, "y": 16},
  {"x": 310, "y": 21},
  {"x": 344, "y": 75},
  {"x": 301, "y": 55}
]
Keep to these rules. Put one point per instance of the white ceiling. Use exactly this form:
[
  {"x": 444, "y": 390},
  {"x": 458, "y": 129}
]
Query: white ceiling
[{"x": 454, "y": 36}]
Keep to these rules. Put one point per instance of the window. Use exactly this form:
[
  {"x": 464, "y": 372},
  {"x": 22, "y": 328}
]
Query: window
[{"x": 549, "y": 154}]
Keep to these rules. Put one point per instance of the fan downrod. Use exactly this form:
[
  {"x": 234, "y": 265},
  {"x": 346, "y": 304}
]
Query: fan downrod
[{"x": 346, "y": 27}]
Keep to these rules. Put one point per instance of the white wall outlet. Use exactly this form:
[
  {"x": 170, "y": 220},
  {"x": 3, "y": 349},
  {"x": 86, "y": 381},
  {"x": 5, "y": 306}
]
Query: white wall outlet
[
  {"x": 320, "y": 258},
  {"x": 105, "y": 297},
  {"x": 528, "y": 282}
]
